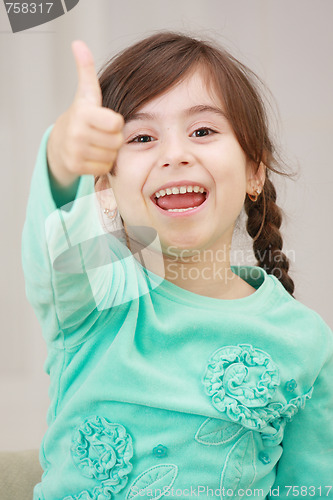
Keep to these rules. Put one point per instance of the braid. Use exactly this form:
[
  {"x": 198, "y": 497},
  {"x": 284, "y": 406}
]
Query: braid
[{"x": 263, "y": 225}]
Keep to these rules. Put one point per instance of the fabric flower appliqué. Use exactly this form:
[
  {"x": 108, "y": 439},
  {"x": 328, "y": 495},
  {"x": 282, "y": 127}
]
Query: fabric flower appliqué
[
  {"x": 291, "y": 385},
  {"x": 103, "y": 450},
  {"x": 242, "y": 381},
  {"x": 160, "y": 451}
]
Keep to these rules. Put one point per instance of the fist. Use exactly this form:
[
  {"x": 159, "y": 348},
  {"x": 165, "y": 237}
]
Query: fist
[{"x": 87, "y": 137}]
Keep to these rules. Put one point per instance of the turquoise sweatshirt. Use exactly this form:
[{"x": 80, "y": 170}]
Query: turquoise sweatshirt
[{"x": 159, "y": 392}]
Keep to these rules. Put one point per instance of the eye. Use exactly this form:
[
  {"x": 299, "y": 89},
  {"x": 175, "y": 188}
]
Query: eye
[
  {"x": 142, "y": 139},
  {"x": 202, "y": 132}
]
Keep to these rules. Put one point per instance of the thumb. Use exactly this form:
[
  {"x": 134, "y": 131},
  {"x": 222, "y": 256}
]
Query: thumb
[{"x": 88, "y": 84}]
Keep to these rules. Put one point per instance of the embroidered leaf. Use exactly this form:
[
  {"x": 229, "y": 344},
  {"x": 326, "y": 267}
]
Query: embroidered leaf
[
  {"x": 239, "y": 469},
  {"x": 214, "y": 432},
  {"x": 153, "y": 483}
]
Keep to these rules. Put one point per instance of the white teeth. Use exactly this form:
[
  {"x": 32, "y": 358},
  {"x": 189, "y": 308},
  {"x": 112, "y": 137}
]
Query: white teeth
[
  {"x": 181, "y": 189},
  {"x": 180, "y": 209}
]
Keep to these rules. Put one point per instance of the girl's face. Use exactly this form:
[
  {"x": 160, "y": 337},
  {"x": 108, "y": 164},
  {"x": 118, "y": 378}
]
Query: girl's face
[{"x": 182, "y": 139}]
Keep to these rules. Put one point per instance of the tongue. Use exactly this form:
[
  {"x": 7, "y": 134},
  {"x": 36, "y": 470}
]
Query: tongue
[{"x": 185, "y": 200}]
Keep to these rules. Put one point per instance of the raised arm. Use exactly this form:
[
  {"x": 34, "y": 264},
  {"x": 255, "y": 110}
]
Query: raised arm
[{"x": 65, "y": 250}]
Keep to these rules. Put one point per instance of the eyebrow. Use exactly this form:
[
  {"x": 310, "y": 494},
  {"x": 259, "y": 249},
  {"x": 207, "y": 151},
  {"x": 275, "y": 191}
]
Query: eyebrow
[{"x": 201, "y": 108}]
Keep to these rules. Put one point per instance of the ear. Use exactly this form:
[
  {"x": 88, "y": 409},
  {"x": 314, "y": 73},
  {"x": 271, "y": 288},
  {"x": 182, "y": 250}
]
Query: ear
[
  {"x": 104, "y": 193},
  {"x": 255, "y": 178}
]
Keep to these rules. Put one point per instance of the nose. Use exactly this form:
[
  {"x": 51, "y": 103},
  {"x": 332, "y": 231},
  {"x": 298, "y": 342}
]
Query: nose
[
  {"x": 175, "y": 163},
  {"x": 176, "y": 152}
]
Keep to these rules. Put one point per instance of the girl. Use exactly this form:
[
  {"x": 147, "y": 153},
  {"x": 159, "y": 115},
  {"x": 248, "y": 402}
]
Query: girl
[{"x": 172, "y": 372}]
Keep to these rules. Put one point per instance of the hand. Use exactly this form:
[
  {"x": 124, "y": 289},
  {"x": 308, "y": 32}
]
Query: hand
[{"x": 87, "y": 137}]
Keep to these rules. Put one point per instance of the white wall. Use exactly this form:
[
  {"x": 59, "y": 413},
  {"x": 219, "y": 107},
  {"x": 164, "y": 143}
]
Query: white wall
[{"x": 288, "y": 43}]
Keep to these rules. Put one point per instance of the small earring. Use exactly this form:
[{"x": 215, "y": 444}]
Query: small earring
[
  {"x": 110, "y": 214},
  {"x": 254, "y": 197}
]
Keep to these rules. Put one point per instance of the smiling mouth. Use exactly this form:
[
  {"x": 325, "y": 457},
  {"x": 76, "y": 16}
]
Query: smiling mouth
[{"x": 180, "y": 199}]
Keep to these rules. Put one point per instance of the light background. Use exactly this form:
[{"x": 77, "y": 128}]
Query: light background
[{"x": 289, "y": 44}]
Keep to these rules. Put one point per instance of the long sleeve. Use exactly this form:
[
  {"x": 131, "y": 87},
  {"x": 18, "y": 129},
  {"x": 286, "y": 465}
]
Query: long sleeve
[
  {"x": 305, "y": 468},
  {"x": 67, "y": 257}
]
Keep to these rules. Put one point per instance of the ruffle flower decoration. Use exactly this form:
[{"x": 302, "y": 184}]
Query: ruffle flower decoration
[
  {"x": 242, "y": 383},
  {"x": 103, "y": 450}
]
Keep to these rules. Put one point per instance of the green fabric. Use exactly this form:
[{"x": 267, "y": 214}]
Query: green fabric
[
  {"x": 154, "y": 387},
  {"x": 62, "y": 195}
]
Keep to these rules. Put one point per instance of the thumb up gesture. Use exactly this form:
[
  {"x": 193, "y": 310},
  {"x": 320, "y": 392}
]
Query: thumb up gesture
[{"x": 86, "y": 138}]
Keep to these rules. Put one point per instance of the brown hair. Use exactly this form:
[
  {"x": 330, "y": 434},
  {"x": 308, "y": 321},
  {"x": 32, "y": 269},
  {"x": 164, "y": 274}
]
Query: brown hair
[{"x": 153, "y": 65}]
